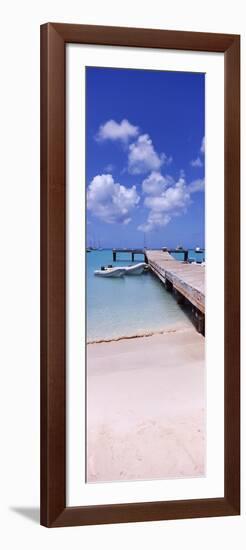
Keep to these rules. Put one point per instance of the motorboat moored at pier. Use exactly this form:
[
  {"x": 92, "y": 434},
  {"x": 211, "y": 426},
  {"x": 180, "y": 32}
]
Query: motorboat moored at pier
[
  {"x": 110, "y": 272},
  {"x": 136, "y": 269}
]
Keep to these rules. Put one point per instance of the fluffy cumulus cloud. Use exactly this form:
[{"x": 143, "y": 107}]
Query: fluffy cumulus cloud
[
  {"x": 156, "y": 183},
  {"x": 175, "y": 197},
  {"x": 142, "y": 156},
  {"x": 155, "y": 220},
  {"x": 163, "y": 197},
  {"x": 112, "y": 130},
  {"x": 109, "y": 201},
  {"x": 172, "y": 200}
]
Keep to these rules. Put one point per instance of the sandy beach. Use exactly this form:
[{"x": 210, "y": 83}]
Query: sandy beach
[{"x": 146, "y": 407}]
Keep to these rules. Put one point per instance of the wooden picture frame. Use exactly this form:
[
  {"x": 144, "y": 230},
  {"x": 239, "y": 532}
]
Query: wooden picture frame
[{"x": 54, "y": 512}]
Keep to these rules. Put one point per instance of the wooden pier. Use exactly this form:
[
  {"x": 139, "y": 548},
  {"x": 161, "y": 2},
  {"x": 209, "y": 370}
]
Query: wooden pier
[
  {"x": 131, "y": 251},
  {"x": 186, "y": 280}
]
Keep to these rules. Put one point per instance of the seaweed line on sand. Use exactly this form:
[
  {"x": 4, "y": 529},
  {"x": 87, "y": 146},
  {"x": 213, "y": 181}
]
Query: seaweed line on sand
[{"x": 163, "y": 331}]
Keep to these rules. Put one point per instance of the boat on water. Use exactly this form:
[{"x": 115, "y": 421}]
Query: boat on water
[
  {"x": 110, "y": 272},
  {"x": 136, "y": 269}
]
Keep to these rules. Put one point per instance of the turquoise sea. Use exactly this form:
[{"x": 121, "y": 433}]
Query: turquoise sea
[{"x": 128, "y": 305}]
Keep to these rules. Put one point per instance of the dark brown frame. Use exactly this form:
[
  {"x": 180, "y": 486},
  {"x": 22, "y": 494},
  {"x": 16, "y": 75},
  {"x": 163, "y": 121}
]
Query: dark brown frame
[{"x": 54, "y": 38}]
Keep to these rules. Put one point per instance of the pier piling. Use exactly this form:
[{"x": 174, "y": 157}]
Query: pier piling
[{"x": 186, "y": 280}]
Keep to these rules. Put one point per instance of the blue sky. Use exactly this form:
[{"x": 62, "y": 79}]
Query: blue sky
[{"x": 144, "y": 157}]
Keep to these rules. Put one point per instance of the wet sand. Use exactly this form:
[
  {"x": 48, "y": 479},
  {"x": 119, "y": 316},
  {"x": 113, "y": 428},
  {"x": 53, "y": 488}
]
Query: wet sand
[{"x": 146, "y": 407}]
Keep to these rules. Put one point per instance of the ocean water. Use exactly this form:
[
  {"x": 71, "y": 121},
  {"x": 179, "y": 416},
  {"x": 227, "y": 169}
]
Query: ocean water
[{"x": 130, "y": 305}]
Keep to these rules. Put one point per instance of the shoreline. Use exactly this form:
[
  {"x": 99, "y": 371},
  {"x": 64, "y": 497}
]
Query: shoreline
[
  {"x": 178, "y": 327},
  {"x": 146, "y": 407}
]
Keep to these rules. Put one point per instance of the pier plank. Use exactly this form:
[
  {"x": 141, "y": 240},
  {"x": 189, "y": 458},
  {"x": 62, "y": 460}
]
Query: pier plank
[{"x": 187, "y": 279}]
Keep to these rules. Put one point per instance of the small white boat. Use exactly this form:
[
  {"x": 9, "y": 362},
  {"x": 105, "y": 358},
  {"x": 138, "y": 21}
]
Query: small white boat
[
  {"x": 136, "y": 269},
  {"x": 110, "y": 272}
]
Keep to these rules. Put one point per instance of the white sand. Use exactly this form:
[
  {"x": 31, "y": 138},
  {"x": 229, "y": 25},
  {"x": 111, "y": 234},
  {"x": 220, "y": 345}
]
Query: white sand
[{"x": 146, "y": 407}]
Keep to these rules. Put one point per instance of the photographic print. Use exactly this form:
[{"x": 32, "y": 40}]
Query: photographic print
[
  {"x": 145, "y": 263},
  {"x": 146, "y": 422}
]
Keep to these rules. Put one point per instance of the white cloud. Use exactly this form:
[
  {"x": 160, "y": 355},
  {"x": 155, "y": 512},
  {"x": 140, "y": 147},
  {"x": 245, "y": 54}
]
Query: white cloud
[
  {"x": 196, "y": 186},
  {"x": 176, "y": 197},
  {"x": 202, "y": 148},
  {"x": 156, "y": 183},
  {"x": 126, "y": 221},
  {"x": 172, "y": 200},
  {"x": 197, "y": 163},
  {"x": 109, "y": 201},
  {"x": 142, "y": 156},
  {"x": 113, "y": 130},
  {"x": 154, "y": 220}
]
